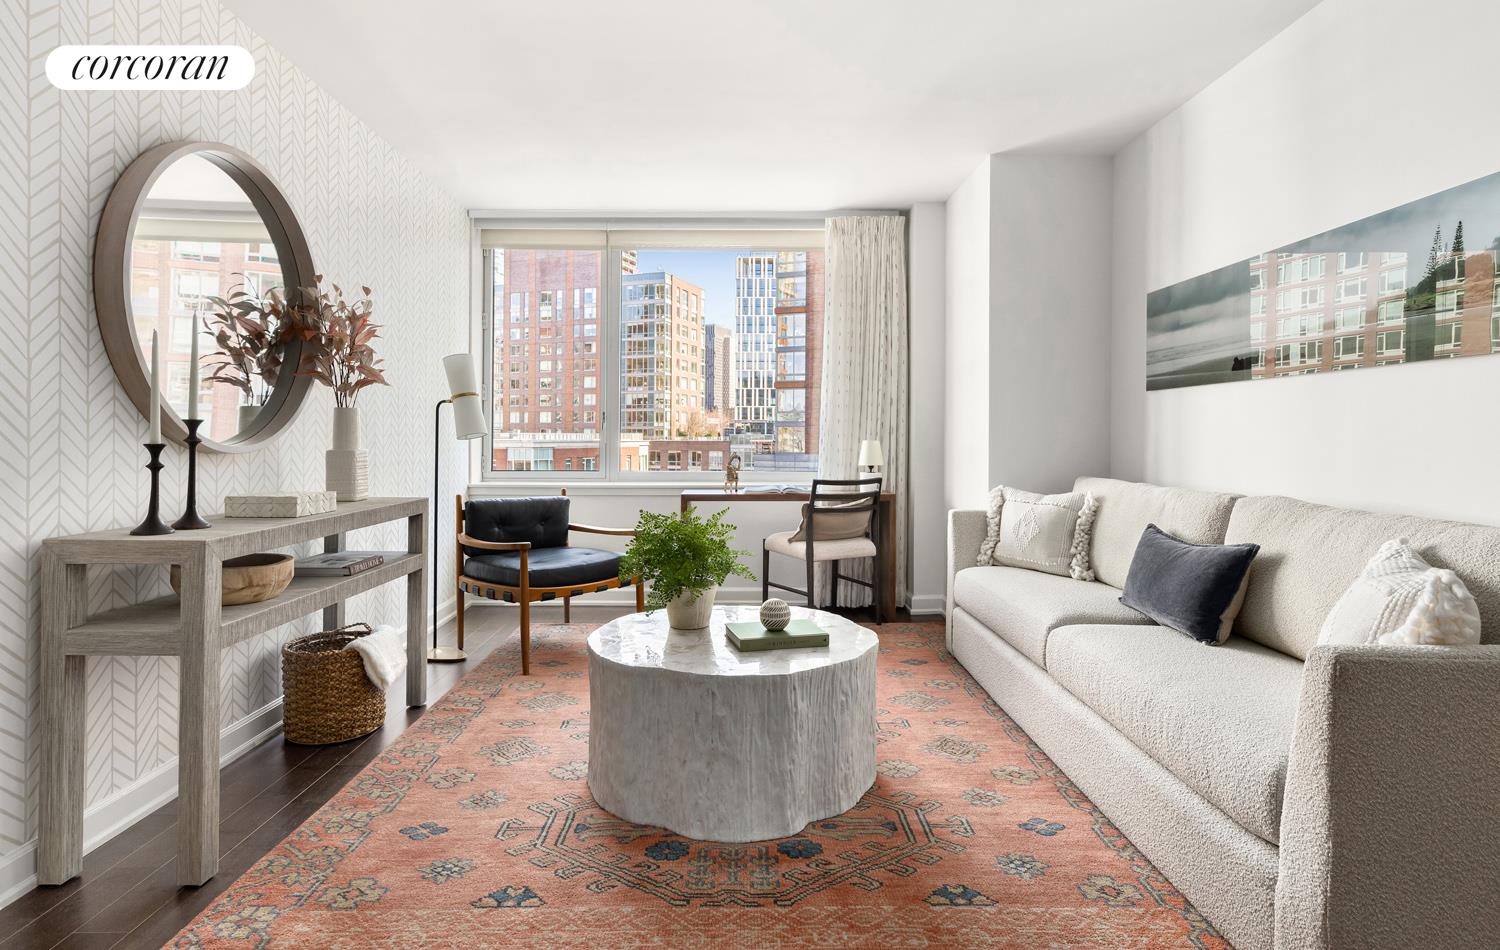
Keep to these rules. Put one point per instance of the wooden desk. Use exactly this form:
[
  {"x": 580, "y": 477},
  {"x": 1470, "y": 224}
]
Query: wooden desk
[
  {"x": 885, "y": 561},
  {"x": 197, "y": 630}
]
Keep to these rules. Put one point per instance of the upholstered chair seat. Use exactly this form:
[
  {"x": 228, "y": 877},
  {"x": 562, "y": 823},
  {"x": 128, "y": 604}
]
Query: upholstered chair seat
[
  {"x": 547, "y": 567},
  {"x": 837, "y": 550}
]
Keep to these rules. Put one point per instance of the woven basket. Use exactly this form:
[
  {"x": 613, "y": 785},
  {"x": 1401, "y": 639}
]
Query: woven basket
[{"x": 327, "y": 696}]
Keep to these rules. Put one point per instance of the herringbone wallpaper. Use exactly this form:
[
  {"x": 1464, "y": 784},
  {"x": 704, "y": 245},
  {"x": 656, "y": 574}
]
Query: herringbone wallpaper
[{"x": 70, "y": 456}]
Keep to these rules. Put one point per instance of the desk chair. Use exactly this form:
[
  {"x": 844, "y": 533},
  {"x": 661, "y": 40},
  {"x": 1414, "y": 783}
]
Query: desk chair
[{"x": 837, "y": 525}]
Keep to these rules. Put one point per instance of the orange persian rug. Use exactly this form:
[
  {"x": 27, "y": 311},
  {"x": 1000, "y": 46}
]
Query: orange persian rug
[{"x": 476, "y": 829}]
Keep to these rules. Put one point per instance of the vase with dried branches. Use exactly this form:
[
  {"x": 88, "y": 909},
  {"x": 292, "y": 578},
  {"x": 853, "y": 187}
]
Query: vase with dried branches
[
  {"x": 338, "y": 351},
  {"x": 250, "y": 333}
]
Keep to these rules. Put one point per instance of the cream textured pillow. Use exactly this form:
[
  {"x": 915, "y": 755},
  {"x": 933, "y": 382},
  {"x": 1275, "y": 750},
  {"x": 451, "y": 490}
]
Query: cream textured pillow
[
  {"x": 1400, "y": 598},
  {"x": 1040, "y": 532}
]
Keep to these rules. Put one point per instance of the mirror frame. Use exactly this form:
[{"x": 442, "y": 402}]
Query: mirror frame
[{"x": 112, "y": 250}]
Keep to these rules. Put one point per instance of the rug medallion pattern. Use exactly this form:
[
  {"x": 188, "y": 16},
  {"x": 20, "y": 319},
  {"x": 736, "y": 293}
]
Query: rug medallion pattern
[{"x": 476, "y": 828}]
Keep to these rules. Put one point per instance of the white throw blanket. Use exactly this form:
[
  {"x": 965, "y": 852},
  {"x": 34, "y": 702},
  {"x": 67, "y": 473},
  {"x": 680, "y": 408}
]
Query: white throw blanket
[{"x": 384, "y": 654}]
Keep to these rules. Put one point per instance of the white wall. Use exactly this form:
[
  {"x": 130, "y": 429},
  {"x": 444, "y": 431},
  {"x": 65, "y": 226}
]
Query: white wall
[
  {"x": 966, "y": 380},
  {"x": 1027, "y": 377},
  {"x": 74, "y": 439},
  {"x": 1049, "y": 309},
  {"x": 1275, "y": 151},
  {"x": 926, "y": 238}
]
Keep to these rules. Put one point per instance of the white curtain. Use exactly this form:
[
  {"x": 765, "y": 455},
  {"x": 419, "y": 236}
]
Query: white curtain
[{"x": 865, "y": 368}]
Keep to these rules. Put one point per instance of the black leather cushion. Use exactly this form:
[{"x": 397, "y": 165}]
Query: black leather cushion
[
  {"x": 548, "y": 567},
  {"x": 543, "y": 521}
]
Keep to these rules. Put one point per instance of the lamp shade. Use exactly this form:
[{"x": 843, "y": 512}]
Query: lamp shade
[
  {"x": 870, "y": 453},
  {"x": 463, "y": 389}
]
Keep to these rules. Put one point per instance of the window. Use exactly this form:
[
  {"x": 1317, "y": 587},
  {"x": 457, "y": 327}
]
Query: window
[
  {"x": 1348, "y": 347},
  {"x": 1390, "y": 342},
  {"x": 1350, "y": 318},
  {"x": 1448, "y": 303},
  {"x": 1257, "y": 331},
  {"x": 1257, "y": 278},
  {"x": 207, "y": 251},
  {"x": 603, "y": 350},
  {"x": 1393, "y": 281},
  {"x": 1448, "y": 336},
  {"x": 1299, "y": 354},
  {"x": 1352, "y": 289},
  {"x": 1392, "y": 311},
  {"x": 530, "y": 370},
  {"x": 1288, "y": 300},
  {"x": 1304, "y": 268},
  {"x": 192, "y": 288},
  {"x": 1351, "y": 260},
  {"x": 261, "y": 253},
  {"x": 1303, "y": 325}
]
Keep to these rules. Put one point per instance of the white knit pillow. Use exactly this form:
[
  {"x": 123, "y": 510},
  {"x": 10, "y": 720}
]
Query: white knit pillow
[
  {"x": 1048, "y": 533},
  {"x": 1400, "y": 598}
]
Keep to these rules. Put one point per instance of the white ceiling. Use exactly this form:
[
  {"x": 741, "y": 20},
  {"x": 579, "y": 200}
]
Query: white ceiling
[{"x": 751, "y": 105}]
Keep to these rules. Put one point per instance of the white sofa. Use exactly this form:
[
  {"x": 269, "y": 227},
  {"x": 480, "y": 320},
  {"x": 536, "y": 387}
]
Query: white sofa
[{"x": 1300, "y": 796}]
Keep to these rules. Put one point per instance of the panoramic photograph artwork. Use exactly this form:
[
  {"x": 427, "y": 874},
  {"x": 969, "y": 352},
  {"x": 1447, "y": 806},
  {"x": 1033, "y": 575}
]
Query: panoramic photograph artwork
[{"x": 1413, "y": 283}]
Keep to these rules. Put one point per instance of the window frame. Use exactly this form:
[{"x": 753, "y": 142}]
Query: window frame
[{"x": 612, "y": 244}]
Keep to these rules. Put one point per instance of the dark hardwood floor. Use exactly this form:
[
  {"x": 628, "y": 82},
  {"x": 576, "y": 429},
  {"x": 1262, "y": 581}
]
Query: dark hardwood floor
[{"x": 127, "y": 896}]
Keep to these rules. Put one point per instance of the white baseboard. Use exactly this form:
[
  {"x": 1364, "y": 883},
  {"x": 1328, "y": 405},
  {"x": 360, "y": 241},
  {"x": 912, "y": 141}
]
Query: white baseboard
[
  {"x": 125, "y": 806},
  {"x": 923, "y": 605}
]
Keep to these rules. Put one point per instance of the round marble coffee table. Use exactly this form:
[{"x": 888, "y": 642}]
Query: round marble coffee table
[{"x": 690, "y": 734}]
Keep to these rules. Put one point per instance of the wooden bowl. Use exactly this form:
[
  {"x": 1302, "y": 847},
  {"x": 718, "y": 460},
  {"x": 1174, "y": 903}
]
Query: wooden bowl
[{"x": 250, "y": 578}]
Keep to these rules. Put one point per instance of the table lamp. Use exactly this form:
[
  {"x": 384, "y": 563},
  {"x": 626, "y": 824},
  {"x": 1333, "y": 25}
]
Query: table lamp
[
  {"x": 870, "y": 455},
  {"x": 468, "y": 423}
]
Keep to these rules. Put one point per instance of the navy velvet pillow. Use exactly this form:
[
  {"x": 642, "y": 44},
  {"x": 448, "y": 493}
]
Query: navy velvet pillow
[{"x": 1194, "y": 589}]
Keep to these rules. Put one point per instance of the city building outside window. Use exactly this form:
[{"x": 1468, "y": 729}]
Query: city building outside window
[{"x": 695, "y": 355}]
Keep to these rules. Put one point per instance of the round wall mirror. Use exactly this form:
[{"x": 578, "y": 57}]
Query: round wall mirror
[{"x": 188, "y": 224}]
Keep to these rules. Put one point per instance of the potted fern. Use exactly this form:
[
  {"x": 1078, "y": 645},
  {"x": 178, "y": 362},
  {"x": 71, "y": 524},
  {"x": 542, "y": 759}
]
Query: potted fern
[{"x": 685, "y": 559}]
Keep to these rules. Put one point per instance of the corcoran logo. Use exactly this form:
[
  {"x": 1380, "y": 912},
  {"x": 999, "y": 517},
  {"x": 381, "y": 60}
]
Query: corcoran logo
[{"x": 150, "y": 68}]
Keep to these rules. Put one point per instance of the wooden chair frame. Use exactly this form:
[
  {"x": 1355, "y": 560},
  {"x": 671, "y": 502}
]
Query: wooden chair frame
[
  {"x": 862, "y": 499},
  {"x": 524, "y": 594}
]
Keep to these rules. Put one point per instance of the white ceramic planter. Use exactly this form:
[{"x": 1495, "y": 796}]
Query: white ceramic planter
[
  {"x": 346, "y": 466},
  {"x": 346, "y": 435},
  {"x": 247, "y": 417},
  {"x": 691, "y": 610}
]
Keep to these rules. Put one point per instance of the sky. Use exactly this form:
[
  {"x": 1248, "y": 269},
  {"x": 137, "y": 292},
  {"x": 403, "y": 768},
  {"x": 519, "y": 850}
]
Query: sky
[{"x": 713, "y": 270}]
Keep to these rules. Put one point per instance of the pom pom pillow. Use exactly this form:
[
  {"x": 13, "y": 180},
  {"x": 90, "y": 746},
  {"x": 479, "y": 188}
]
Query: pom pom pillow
[
  {"x": 1400, "y": 598},
  {"x": 1040, "y": 532}
]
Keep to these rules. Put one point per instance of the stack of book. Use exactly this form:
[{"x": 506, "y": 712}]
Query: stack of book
[
  {"x": 751, "y": 637},
  {"x": 339, "y": 563}
]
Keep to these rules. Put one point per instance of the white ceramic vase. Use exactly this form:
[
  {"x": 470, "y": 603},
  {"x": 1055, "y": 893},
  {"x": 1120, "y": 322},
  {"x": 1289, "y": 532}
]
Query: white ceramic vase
[
  {"x": 346, "y": 465},
  {"x": 691, "y": 610},
  {"x": 247, "y": 416}
]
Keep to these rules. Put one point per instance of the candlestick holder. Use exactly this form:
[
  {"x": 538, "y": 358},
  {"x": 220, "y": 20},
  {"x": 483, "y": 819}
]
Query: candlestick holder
[
  {"x": 190, "y": 519},
  {"x": 153, "y": 523}
]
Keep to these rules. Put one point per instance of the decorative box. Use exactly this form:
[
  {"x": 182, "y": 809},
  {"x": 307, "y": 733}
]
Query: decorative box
[{"x": 297, "y": 504}]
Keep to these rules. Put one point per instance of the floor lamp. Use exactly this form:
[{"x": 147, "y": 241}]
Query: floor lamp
[{"x": 468, "y": 423}]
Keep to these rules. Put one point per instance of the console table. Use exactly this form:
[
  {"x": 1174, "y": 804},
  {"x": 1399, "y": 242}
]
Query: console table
[{"x": 196, "y": 629}]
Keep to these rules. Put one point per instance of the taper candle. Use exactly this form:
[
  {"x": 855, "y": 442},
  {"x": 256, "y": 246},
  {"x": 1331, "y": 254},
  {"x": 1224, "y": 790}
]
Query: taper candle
[
  {"x": 155, "y": 437},
  {"x": 193, "y": 378}
]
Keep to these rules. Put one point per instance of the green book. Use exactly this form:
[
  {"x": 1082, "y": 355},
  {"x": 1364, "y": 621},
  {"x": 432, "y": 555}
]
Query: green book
[{"x": 750, "y": 636}]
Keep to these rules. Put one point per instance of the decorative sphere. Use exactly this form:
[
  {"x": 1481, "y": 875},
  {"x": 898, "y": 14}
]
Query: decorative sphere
[{"x": 775, "y": 614}]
